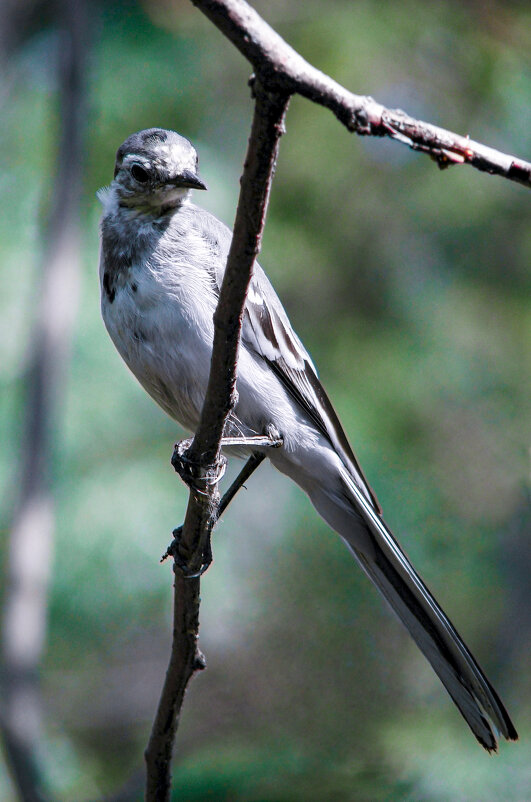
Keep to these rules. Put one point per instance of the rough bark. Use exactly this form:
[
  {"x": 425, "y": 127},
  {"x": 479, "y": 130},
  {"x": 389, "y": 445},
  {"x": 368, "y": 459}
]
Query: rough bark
[{"x": 204, "y": 453}]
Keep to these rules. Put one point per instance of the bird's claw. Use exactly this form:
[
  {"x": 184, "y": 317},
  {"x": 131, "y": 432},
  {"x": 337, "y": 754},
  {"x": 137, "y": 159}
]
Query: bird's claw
[
  {"x": 197, "y": 477},
  {"x": 182, "y": 564}
]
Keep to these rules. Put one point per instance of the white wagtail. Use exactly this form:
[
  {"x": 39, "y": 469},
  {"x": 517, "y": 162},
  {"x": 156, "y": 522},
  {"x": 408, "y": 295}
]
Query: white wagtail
[{"x": 161, "y": 268}]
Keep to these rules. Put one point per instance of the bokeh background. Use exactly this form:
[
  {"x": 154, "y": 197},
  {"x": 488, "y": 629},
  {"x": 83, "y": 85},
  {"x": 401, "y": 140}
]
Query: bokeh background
[{"x": 410, "y": 288}]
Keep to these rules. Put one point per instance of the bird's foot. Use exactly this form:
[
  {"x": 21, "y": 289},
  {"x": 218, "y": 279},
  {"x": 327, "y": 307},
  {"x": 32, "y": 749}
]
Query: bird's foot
[
  {"x": 196, "y": 476},
  {"x": 182, "y": 564},
  {"x": 199, "y": 480}
]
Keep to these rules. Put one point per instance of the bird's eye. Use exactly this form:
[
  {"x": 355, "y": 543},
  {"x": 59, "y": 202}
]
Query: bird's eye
[{"x": 139, "y": 173}]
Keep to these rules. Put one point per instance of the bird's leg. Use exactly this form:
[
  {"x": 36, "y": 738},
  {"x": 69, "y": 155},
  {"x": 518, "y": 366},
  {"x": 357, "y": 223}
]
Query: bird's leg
[
  {"x": 173, "y": 549},
  {"x": 192, "y": 475},
  {"x": 272, "y": 439}
]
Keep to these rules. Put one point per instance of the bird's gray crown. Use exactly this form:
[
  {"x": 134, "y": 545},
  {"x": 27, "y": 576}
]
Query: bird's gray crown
[
  {"x": 158, "y": 144},
  {"x": 155, "y": 169}
]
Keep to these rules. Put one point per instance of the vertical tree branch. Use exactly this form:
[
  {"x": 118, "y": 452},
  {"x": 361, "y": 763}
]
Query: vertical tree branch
[
  {"x": 32, "y": 527},
  {"x": 267, "y": 127}
]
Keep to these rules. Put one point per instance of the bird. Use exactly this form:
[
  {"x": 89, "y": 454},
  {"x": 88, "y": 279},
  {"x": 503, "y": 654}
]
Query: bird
[{"x": 162, "y": 261}]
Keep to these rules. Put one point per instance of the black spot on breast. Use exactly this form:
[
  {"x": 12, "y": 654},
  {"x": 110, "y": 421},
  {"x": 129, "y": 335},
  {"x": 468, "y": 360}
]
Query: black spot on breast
[
  {"x": 108, "y": 286},
  {"x": 134, "y": 286}
]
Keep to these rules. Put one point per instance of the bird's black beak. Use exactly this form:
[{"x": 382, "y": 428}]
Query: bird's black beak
[{"x": 189, "y": 179}]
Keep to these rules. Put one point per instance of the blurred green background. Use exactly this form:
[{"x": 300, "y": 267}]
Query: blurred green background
[{"x": 410, "y": 288}]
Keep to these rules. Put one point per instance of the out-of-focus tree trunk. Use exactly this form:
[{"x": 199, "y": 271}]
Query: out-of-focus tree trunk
[{"x": 32, "y": 528}]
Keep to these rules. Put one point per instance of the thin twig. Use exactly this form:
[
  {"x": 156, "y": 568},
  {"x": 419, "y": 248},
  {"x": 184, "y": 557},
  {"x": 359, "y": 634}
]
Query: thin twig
[
  {"x": 267, "y": 127},
  {"x": 248, "y": 469},
  {"x": 281, "y": 68}
]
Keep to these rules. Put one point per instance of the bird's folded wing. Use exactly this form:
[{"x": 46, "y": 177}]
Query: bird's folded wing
[{"x": 267, "y": 331}]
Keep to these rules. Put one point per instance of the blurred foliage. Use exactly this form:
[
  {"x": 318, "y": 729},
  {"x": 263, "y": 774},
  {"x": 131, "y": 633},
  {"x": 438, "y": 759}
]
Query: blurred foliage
[{"x": 411, "y": 289}]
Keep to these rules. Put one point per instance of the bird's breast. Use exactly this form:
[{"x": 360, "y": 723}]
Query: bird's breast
[{"x": 163, "y": 330}]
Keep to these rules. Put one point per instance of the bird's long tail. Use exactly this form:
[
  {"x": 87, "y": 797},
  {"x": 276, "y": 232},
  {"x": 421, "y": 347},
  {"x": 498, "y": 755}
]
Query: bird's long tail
[{"x": 389, "y": 569}]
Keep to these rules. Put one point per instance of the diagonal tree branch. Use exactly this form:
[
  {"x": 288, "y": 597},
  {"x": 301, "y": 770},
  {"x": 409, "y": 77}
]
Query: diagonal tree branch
[
  {"x": 204, "y": 453},
  {"x": 280, "y": 67}
]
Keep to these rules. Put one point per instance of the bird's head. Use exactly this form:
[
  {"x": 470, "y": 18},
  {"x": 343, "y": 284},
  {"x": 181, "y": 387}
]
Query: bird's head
[{"x": 155, "y": 170}]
